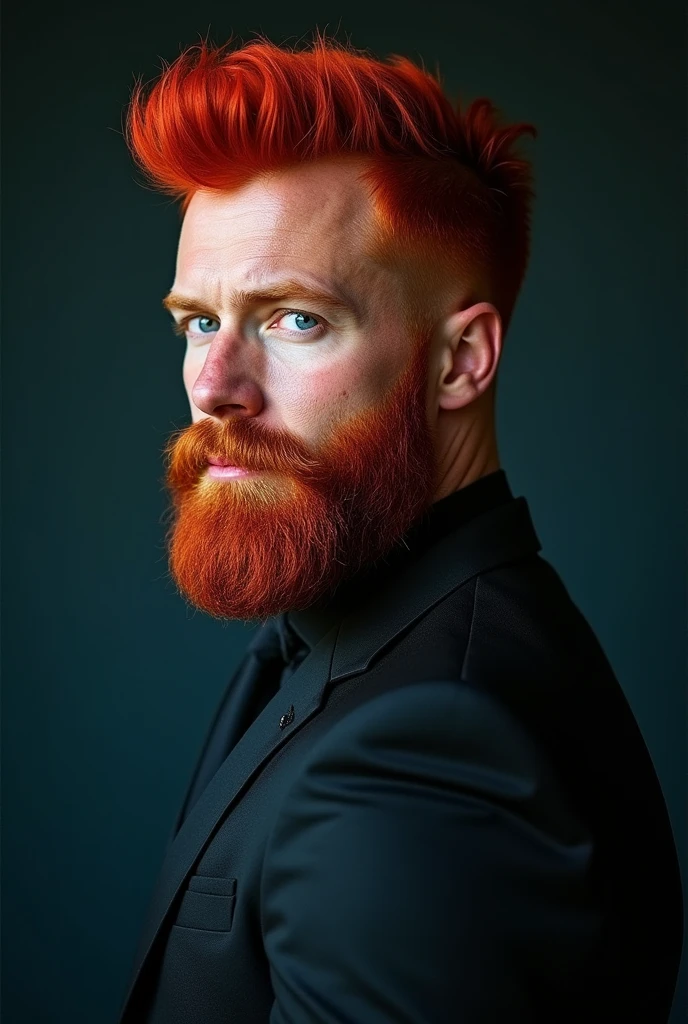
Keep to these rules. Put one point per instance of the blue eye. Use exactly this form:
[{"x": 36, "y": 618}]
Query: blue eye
[
  {"x": 299, "y": 319},
  {"x": 201, "y": 320},
  {"x": 304, "y": 316},
  {"x": 305, "y": 323}
]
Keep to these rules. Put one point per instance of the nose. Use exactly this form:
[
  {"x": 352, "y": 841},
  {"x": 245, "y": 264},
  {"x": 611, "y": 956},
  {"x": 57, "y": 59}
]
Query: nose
[{"x": 224, "y": 388}]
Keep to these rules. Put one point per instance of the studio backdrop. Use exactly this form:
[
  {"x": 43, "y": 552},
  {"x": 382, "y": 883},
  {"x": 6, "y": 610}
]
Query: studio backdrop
[{"x": 109, "y": 680}]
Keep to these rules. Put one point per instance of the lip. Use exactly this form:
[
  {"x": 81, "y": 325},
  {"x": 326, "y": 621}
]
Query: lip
[
  {"x": 213, "y": 461},
  {"x": 221, "y": 469}
]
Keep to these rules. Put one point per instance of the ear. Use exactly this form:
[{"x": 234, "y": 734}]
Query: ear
[{"x": 469, "y": 354}]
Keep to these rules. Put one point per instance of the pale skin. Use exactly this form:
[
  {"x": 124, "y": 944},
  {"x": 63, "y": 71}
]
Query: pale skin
[{"x": 308, "y": 369}]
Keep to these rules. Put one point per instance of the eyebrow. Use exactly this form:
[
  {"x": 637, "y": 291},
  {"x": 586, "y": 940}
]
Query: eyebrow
[{"x": 240, "y": 298}]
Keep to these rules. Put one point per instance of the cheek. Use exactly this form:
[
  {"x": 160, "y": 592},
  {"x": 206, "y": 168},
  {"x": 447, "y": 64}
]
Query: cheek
[
  {"x": 312, "y": 402},
  {"x": 189, "y": 372}
]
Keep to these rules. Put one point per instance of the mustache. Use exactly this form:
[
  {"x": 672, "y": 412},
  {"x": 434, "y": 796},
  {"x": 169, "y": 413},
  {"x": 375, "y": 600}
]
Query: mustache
[{"x": 241, "y": 442}]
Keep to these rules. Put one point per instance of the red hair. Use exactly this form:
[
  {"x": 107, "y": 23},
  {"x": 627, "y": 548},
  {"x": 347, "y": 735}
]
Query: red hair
[{"x": 449, "y": 193}]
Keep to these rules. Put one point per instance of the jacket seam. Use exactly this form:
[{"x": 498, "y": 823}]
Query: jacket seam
[{"x": 470, "y": 628}]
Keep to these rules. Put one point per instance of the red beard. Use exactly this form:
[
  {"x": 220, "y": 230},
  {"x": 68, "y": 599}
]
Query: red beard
[{"x": 252, "y": 547}]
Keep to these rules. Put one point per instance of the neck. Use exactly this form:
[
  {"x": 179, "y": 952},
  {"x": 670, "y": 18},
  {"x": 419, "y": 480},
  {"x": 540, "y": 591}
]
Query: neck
[{"x": 466, "y": 444}]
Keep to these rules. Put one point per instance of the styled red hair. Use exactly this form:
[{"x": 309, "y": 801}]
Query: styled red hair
[{"x": 449, "y": 194}]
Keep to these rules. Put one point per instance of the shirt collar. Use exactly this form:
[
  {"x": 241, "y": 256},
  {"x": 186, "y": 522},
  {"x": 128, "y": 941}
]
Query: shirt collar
[{"x": 442, "y": 517}]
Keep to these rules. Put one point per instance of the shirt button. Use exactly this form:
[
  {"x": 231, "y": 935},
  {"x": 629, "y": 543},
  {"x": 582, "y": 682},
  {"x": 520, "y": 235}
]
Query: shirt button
[{"x": 288, "y": 718}]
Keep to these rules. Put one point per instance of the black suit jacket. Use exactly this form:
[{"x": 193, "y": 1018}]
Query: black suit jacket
[{"x": 446, "y": 814}]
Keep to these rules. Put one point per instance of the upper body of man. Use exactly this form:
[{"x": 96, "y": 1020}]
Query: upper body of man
[{"x": 424, "y": 797}]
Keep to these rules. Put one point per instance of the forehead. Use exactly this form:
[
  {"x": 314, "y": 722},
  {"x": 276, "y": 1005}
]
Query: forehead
[{"x": 314, "y": 217}]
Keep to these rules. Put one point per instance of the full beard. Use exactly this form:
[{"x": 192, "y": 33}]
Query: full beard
[{"x": 252, "y": 547}]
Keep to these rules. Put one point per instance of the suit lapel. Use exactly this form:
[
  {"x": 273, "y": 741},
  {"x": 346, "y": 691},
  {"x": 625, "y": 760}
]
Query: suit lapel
[
  {"x": 502, "y": 534},
  {"x": 293, "y": 704},
  {"x": 254, "y": 683}
]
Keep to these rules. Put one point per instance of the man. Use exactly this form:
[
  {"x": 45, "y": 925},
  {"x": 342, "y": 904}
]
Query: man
[{"x": 424, "y": 797}]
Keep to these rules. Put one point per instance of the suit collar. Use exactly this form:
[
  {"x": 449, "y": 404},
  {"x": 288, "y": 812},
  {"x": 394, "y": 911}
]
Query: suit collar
[
  {"x": 443, "y": 517},
  {"x": 501, "y": 534}
]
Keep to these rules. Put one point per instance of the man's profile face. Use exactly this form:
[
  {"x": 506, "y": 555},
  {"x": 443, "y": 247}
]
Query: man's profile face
[{"x": 326, "y": 403}]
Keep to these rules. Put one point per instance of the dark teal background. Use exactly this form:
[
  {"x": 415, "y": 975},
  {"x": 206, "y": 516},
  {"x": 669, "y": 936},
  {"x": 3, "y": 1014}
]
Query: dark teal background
[{"x": 109, "y": 679}]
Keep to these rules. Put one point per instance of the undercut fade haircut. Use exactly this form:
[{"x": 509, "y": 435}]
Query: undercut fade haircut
[{"x": 451, "y": 198}]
